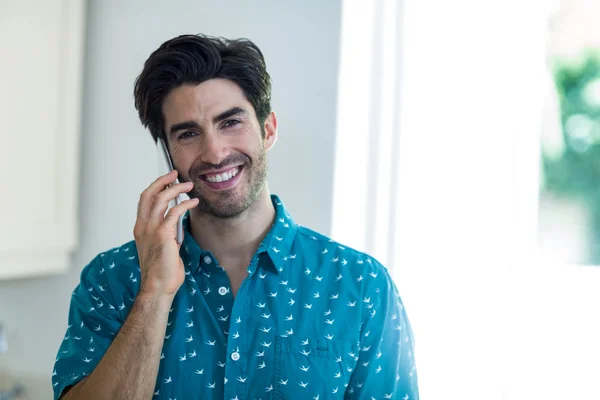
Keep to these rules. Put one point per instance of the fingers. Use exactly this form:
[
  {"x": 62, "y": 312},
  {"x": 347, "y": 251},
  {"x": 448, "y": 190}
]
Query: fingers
[
  {"x": 147, "y": 196},
  {"x": 154, "y": 202},
  {"x": 161, "y": 201},
  {"x": 170, "y": 221}
]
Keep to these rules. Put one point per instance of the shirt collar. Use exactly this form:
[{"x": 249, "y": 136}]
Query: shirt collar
[{"x": 276, "y": 244}]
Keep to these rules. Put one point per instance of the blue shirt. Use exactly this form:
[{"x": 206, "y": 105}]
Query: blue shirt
[{"x": 313, "y": 320}]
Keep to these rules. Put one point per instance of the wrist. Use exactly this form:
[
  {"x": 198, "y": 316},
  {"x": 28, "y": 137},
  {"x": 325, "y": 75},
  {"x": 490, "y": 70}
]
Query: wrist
[
  {"x": 154, "y": 297},
  {"x": 153, "y": 287}
]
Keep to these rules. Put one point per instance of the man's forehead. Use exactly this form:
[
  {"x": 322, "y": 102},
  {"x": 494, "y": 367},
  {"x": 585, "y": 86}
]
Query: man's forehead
[{"x": 203, "y": 101}]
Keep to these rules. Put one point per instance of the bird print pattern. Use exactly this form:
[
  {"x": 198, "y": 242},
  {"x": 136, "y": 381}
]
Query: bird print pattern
[{"x": 313, "y": 320}]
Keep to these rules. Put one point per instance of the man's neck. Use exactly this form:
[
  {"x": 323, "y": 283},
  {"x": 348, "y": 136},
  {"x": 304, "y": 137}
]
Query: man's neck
[{"x": 235, "y": 240}]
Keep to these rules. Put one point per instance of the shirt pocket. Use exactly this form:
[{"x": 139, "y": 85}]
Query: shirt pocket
[{"x": 307, "y": 367}]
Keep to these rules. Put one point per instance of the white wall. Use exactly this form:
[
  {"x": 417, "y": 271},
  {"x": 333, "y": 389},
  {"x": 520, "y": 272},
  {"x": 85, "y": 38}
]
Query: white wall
[{"x": 300, "y": 40}]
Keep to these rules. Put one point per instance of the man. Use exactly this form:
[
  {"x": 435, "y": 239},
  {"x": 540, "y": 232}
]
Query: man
[{"x": 250, "y": 305}]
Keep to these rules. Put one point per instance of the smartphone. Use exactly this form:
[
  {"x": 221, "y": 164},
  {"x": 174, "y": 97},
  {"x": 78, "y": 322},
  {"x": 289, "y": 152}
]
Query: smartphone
[{"x": 178, "y": 199}]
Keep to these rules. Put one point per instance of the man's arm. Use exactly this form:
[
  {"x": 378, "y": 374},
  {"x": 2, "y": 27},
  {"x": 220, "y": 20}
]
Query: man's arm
[
  {"x": 386, "y": 367},
  {"x": 129, "y": 367}
]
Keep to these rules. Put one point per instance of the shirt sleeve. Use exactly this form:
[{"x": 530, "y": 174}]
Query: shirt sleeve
[
  {"x": 386, "y": 366},
  {"x": 93, "y": 323}
]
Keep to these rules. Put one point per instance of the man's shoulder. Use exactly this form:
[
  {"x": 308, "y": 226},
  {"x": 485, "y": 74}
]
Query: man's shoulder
[
  {"x": 350, "y": 270},
  {"x": 124, "y": 253},
  {"x": 116, "y": 264},
  {"x": 332, "y": 251}
]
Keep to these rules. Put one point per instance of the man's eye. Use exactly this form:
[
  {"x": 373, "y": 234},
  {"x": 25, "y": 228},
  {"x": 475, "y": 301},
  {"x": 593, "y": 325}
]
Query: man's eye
[
  {"x": 231, "y": 122},
  {"x": 186, "y": 135}
]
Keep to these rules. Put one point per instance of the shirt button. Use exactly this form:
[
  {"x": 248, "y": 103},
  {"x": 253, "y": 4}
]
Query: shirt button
[
  {"x": 207, "y": 259},
  {"x": 222, "y": 290},
  {"x": 235, "y": 356}
]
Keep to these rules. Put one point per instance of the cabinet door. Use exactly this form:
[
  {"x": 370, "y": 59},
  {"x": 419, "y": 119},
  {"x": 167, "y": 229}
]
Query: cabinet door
[{"x": 41, "y": 63}]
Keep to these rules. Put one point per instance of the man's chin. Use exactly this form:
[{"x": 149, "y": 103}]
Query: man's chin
[
  {"x": 221, "y": 208},
  {"x": 224, "y": 213}
]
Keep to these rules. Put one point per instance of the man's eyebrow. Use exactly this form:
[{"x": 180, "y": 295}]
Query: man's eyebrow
[
  {"x": 229, "y": 113},
  {"x": 183, "y": 125}
]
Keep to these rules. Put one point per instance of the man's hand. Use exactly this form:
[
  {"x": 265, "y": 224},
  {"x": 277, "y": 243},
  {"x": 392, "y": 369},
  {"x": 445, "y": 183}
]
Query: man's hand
[{"x": 162, "y": 270}]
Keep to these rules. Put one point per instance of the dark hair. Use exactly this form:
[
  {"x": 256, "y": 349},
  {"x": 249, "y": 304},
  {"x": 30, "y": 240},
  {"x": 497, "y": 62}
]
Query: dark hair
[{"x": 194, "y": 59}]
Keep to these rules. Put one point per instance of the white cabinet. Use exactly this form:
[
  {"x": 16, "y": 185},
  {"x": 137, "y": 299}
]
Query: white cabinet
[{"x": 41, "y": 65}]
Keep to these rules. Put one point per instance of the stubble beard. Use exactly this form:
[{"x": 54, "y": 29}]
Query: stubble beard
[{"x": 232, "y": 203}]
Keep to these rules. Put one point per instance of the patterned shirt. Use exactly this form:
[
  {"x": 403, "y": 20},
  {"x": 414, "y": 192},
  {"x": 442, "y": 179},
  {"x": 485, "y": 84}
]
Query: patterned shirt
[{"x": 313, "y": 320}]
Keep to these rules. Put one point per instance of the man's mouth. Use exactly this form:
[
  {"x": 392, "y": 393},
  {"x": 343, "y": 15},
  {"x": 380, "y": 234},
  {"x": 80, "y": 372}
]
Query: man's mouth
[{"x": 223, "y": 176}]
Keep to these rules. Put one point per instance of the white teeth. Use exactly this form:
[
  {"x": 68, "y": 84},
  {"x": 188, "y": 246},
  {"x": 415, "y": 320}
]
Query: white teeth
[{"x": 225, "y": 176}]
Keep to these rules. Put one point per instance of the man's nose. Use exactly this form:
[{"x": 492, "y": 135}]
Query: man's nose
[{"x": 214, "y": 149}]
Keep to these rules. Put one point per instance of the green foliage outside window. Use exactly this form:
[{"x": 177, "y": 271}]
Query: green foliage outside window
[{"x": 574, "y": 170}]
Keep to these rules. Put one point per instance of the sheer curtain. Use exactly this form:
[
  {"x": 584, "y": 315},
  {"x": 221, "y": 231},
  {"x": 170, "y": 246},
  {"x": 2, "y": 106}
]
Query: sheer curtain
[{"x": 437, "y": 175}]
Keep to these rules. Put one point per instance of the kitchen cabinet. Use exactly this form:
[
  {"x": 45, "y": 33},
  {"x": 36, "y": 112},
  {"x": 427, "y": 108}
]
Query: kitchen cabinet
[{"x": 41, "y": 68}]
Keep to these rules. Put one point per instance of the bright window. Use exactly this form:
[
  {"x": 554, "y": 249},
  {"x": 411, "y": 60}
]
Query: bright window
[{"x": 442, "y": 184}]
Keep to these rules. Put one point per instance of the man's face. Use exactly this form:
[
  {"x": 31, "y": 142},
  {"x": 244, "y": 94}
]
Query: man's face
[{"x": 217, "y": 143}]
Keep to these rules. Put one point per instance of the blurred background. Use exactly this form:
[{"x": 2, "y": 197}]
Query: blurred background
[{"x": 457, "y": 142}]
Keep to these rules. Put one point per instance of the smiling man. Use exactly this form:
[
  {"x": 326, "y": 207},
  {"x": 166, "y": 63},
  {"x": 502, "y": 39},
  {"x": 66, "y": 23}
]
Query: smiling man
[{"x": 251, "y": 305}]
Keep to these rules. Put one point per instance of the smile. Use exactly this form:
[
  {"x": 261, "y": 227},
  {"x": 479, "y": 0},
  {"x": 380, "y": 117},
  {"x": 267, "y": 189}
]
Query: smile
[{"x": 222, "y": 177}]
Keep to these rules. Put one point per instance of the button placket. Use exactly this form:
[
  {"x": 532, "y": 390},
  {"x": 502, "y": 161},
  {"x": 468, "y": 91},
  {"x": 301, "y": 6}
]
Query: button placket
[
  {"x": 236, "y": 372},
  {"x": 237, "y": 345}
]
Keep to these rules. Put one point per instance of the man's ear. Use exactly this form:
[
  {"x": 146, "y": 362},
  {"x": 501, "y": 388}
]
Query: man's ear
[{"x": 270, "y": 129}]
